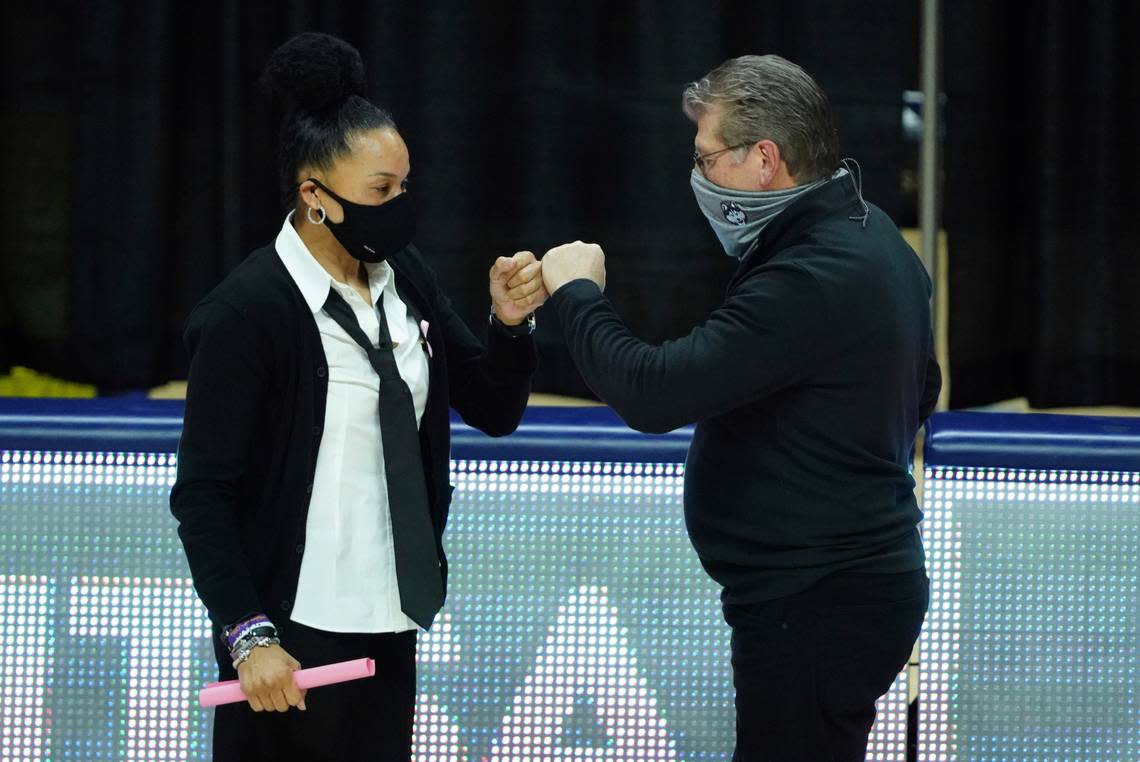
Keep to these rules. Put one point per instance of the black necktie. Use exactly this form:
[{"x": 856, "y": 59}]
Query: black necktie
[{"x": 413, "y": 537}]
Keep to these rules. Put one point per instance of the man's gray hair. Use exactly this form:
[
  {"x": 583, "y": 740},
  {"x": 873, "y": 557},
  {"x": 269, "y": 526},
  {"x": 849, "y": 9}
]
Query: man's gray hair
[{"x": 770, "y": 98}]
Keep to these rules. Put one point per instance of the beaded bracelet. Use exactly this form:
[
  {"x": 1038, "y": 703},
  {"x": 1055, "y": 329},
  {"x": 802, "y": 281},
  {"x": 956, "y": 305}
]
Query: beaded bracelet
[
  {"x": 260, "y": 631},
  {"x": 246, "y": 647}
]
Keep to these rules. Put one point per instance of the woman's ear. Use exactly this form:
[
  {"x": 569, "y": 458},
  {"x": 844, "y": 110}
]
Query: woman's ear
[
  {"x": 307, "y": 192},
  {"x": 317, "y": 199}
]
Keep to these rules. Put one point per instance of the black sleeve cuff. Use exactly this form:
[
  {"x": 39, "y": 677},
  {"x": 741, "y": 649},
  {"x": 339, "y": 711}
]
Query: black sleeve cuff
[
  {"x": 581, "y": 290},
  {"x": 525, "y": 328}
]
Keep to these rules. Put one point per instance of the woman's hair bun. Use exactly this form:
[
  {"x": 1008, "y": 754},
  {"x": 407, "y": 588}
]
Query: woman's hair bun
[{"x": 314, "y": 71}]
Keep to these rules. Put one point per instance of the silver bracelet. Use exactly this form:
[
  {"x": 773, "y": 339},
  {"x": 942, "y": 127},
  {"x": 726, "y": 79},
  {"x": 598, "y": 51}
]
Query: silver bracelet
[{"x": 244, "y": 648}]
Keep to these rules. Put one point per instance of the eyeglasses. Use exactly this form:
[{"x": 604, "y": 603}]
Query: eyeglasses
[{"x": 701, "y": 160}]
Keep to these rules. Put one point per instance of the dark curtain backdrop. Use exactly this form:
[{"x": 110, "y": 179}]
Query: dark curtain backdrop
[
  {"x": 140, "y": 168},
  {"x": 1041, "y": 202}
]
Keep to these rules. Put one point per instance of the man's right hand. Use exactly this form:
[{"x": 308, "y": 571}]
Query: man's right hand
[
  {"x": 267, "y": 680},
  {"x": 572, "y": 261}
]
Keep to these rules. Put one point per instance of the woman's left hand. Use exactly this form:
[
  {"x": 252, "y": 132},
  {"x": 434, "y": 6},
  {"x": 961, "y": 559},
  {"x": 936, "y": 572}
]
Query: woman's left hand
[{"x": 517, "y": 288}]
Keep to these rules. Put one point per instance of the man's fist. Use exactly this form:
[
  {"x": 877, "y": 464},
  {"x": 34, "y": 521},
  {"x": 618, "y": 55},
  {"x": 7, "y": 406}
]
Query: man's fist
[{"x": 572, "y": 261}]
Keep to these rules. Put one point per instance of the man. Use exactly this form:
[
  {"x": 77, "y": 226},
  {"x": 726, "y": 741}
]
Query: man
[{"x": 807, "y": 387}]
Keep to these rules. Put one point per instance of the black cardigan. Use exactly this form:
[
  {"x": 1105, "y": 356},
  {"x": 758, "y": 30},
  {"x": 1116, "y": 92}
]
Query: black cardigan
[
  {"x": 254, "y": 417},
  {"x": 807, "y": 385}
]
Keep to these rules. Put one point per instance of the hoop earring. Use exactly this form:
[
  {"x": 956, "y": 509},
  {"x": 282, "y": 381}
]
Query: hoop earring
[{"x": 309, "y": 215}]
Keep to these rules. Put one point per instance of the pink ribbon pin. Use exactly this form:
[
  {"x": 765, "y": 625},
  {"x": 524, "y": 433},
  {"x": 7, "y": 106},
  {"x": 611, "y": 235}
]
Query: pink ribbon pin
[{"x": 424, "y": 325}]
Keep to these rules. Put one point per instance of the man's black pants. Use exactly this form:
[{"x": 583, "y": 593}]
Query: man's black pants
[{"x": 809, "y": 668}]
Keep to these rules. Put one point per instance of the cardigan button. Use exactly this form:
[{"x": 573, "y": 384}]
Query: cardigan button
[
  {"x": 300, "y": 548},
  {"x": 321, "y": 371},
  {"x": 316, "y": 431},
  {"x": 309, "y": 489},
  {"x": 286, "y": 605}
]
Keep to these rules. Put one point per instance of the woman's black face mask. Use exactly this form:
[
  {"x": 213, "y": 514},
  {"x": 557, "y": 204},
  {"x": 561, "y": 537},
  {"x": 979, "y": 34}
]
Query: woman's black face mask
[{"x": 373, "y": 233}]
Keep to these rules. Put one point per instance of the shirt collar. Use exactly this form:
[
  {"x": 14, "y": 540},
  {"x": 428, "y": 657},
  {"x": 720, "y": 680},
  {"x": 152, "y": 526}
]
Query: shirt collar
[{"x": 312, "y": 279}]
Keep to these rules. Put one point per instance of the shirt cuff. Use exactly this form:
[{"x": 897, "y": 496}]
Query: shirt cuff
[{"x": 576, "y": 291}]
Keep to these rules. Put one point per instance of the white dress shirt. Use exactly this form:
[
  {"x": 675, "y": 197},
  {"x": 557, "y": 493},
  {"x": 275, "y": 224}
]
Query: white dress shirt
[{"x": 348, "y": 571}]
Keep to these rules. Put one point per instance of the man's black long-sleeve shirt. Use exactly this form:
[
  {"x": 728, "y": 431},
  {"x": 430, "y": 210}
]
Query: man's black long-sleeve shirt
[{"x": 807, "y": 385}]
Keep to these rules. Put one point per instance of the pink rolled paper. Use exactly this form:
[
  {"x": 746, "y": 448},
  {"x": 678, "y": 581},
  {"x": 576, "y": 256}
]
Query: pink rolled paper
[{"x": 229, "y": 692}]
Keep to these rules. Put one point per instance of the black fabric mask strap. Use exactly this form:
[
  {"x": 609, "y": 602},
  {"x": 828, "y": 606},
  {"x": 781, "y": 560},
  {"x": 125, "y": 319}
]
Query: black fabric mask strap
[{"x": 328, "y": 190}]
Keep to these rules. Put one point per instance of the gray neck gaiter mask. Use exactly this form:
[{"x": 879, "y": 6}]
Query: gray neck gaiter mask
[{"x": 737, "y": 217}]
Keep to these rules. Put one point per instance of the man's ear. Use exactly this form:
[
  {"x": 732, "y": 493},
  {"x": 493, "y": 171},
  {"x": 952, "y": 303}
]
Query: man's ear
[{"x": 770, "y": 161}]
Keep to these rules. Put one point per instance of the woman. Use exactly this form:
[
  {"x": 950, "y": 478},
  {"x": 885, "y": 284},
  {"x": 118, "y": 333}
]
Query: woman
[{"x": 312, "y": 487}]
